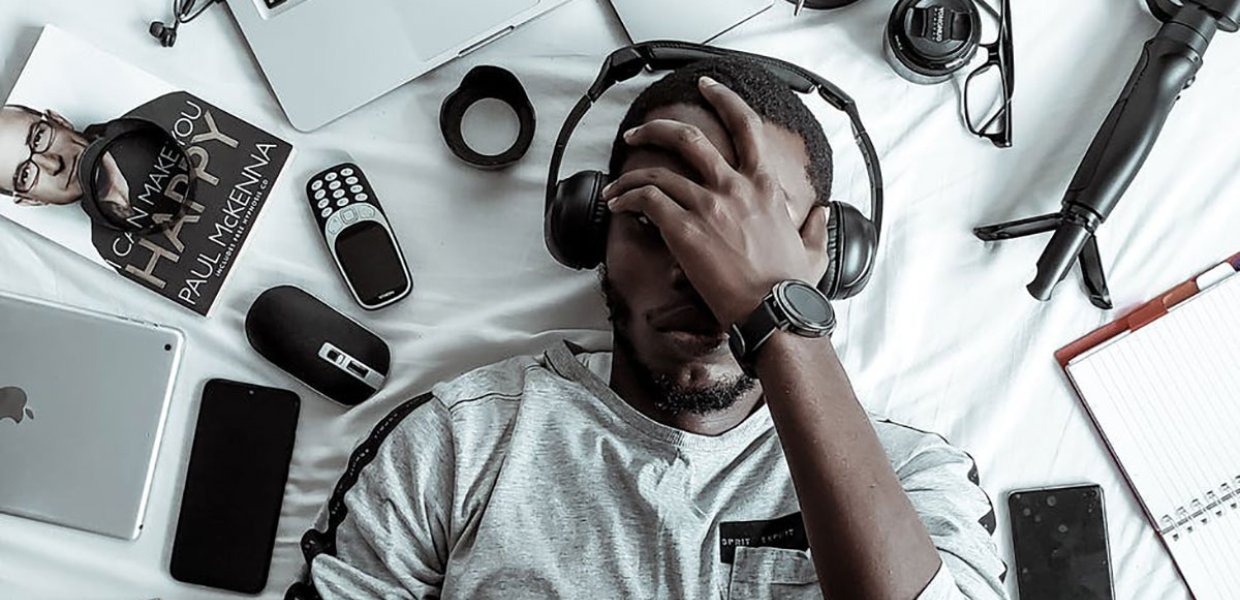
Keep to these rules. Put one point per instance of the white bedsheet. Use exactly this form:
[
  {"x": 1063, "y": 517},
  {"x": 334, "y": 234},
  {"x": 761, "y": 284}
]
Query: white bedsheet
[{"x": 945, "y": 338}]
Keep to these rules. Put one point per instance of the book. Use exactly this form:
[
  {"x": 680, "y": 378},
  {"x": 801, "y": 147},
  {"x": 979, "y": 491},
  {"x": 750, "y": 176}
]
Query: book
[
  {"x": 1162, "y": 386},
  {"x": 70, "y": 83}
]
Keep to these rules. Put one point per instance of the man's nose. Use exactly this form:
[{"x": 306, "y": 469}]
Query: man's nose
[
  {"x": 50, "y": 162},
  {"x": 678, "y": 272},
  {"x": 680, "y": 282}
]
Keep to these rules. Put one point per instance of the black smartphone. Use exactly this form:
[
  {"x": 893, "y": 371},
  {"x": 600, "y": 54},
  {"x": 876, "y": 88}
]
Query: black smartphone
[
  {"x": 1060, "y": 539},
  {"x": 234, "y": 486}
]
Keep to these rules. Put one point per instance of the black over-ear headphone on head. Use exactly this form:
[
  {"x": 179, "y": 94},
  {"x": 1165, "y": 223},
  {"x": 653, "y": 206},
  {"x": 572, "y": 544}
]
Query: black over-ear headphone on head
[{"x": 576, "y": 219}]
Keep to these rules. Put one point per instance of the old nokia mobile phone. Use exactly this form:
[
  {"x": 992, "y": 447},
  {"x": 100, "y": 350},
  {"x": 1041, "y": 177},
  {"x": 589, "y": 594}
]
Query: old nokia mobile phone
[
  {"x": 359, "y": 236},
  {"x": 234, "y": 486},
  {"x": 1060, "y": 540}
]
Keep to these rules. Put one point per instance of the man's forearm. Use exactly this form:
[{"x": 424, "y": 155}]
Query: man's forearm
[{"x": 866, "y": 539}]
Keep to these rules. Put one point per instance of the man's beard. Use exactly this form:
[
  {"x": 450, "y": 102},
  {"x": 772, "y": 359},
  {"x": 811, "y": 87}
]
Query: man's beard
[{"x": 667, "y": 394}]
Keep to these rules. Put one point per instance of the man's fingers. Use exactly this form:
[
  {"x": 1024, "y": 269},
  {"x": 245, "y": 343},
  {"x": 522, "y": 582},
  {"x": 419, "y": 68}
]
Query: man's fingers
[
  {"x": 742, "y": 121},
  {"x": 687, "y": 142},
  {"x": 814, "y": 236},
  {"x": 685, "y": 192},
  {"x": 652, "y": 202},
  {"x": 814, "y": 230}
]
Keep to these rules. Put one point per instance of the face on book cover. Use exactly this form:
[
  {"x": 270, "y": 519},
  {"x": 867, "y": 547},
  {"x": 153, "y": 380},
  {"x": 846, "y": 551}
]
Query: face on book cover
[
  {"x": 53, "y": 180},
  {"x": 40, "y": 154}
]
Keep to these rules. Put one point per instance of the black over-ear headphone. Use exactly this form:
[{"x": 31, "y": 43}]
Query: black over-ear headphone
[
  {"x": 106, "y": 137},
  {"x": 576, "y": 220}
]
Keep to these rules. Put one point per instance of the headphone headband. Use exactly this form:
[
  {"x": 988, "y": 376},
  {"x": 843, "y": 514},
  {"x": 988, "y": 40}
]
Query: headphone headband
[
  {"x": 107, "y": 136},
  {"x": 627, "y": 62}
]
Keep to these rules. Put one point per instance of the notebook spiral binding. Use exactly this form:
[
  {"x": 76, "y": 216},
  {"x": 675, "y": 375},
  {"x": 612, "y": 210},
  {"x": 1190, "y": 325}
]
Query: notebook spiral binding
[{"x": 1199, "y": 512}]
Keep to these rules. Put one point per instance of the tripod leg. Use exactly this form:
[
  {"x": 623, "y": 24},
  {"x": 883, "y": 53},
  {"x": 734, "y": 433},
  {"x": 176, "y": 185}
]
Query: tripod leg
[
  {"x": 1092, "y": 273},
  {"x": 1018, "y": 228}
]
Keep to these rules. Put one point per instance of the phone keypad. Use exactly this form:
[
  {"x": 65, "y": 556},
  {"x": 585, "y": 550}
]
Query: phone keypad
[{"x": 336, "y": 189}]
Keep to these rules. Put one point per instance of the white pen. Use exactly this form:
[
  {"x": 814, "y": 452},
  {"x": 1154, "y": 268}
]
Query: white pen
[{"x": 797, "y": 10}]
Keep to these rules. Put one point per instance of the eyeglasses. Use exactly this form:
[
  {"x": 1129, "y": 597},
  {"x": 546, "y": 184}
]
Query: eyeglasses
[
  {"x": 38, "y": 140},
  {"x": 990, "y": 86}
]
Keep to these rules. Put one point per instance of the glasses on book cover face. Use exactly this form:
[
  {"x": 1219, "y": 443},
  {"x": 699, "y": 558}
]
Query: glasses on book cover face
[
  {"x": 988, "y": 89},
  {"x": 38, "y": 141}
]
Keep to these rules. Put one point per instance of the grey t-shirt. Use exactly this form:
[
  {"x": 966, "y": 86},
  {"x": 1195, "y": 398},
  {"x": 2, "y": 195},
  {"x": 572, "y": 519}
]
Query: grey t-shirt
[{"x": 531, "y": 478}]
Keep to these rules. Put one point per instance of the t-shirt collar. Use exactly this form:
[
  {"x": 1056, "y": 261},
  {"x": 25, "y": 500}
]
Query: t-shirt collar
[{"x": 592, "y": 372}]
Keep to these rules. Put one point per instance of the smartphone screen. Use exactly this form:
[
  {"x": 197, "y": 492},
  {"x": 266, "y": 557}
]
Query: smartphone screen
[
  {"x": 1060, "y": 539},
  {"x": 234, "y": 486}
]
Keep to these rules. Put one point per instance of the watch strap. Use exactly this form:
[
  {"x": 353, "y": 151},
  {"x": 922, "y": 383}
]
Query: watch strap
[
  {"x": 749, "y": 335},
  {"x": 776, "y": 312}
]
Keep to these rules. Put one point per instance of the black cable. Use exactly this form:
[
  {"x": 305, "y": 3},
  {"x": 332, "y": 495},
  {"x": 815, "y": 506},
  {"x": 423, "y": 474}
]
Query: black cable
[{"x": 184, "y": 9}]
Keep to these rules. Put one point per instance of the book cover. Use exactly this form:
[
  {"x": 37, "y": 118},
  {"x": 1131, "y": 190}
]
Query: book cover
[{"x": 67, "y": 88}]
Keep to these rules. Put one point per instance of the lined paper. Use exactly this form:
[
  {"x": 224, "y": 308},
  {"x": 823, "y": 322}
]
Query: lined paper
[{"x": 1166, "y": 398}]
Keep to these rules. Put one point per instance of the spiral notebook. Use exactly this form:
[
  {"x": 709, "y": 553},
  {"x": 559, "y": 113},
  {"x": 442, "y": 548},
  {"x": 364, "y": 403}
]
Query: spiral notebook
[{"x": 1163, "y": 388}]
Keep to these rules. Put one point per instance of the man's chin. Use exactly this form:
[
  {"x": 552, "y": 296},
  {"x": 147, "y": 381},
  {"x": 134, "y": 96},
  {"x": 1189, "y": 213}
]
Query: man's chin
[
  {"x": 686, "y": 373},
  {"x": 693, "y": 361},
  {"x": 699, "y": 388},
  {"x": 56, "y": 201}
]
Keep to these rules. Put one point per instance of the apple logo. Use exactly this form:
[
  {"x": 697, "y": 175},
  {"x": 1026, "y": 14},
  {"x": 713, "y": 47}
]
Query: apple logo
[{"x": 13, "y": 404}]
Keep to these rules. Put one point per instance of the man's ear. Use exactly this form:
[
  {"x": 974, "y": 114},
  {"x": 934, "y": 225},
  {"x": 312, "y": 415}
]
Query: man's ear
[{"x": 60, "y": 119}]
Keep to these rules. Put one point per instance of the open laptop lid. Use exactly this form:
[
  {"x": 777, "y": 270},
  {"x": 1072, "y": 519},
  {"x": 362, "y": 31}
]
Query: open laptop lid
[
  {"x": 325, "y": 58},
  {"x": 83, "y": 398},
  {"x": 690, "y": 20}
]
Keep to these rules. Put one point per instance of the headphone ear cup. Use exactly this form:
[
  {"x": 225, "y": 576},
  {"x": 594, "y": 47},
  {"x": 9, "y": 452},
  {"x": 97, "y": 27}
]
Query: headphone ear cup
[
  {"x": 575, "y": 226},
  {"x": 851, "y": 247},
  {"x": 827, "y": 285}
]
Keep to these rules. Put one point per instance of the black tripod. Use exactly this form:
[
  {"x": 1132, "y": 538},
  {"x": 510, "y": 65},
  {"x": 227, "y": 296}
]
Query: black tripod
[{"x": 1169, "y": 62}]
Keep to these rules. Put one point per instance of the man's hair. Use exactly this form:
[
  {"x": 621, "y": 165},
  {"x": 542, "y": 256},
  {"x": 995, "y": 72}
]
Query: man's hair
[
  {"x": 4, "y": 182},
  {"x": 771, "y": 98}
]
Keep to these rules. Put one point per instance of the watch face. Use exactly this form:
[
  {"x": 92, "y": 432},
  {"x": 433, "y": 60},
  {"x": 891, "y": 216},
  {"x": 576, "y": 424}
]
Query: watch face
[{"x": 807, "y": 305}]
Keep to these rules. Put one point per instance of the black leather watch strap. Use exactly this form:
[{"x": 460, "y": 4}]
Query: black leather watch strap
[
  {"x": 761, "y": 324},
  {"x": 749, "y": 335},
  {"x": 784, "y": 309}
]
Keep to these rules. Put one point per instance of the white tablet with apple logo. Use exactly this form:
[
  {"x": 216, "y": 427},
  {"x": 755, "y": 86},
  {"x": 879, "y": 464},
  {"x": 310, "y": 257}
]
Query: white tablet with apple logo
[{"x": 83, "y": 399}]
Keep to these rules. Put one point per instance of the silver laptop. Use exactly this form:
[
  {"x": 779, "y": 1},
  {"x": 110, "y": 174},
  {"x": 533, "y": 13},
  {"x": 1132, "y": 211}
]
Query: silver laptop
[
  {"x": 83, "y": 398},
  {"x": 325, "y": 58},
  {"x": 686, "y": 20}
]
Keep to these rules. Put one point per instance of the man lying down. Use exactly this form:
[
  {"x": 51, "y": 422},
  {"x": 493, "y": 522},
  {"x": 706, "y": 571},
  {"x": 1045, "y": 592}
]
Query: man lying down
[{"x": 663, "y": 469}]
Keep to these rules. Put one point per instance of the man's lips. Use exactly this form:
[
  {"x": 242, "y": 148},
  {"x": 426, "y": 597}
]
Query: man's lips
[{"x": 686, "y": 317}]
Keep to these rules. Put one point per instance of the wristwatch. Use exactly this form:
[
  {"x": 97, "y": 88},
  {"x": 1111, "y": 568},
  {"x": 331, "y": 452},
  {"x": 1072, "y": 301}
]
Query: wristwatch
[{"x": 793, "y": 306}]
